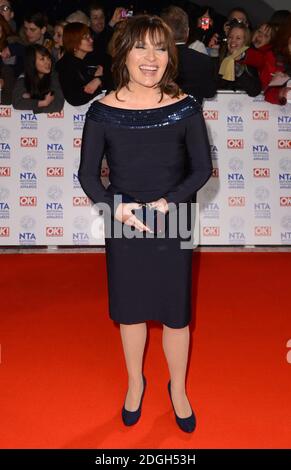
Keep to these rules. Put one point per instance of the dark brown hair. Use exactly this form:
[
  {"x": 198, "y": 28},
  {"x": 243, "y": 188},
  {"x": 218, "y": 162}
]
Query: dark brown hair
[
  {"x": 134, "y": 29},
  {"x": 280, "y": 44},
  {"x": 270, "y": 27},
  {"x": 6, "y": 32},
  {"x": 72, "y": 36}
]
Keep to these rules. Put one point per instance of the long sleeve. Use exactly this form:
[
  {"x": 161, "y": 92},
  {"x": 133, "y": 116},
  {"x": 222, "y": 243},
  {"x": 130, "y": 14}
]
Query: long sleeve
[
  {"x": 72, "y": 88},
  {"x": 208, "y": 87},
  {"x": 199, "y": 161},
  {"x": 254, "y": 58},
  {"x": 58, "y": 103},
  {"x": 272, "y": 94},
  {"x": 17, "y": 51},
  {"x": 73, "y": 78},
  {"x": 32, "y": 104},
  {"x": 18, "y": 101},
  {"x": 196, "y": 73},
  {"x": 92, "y": 151}
]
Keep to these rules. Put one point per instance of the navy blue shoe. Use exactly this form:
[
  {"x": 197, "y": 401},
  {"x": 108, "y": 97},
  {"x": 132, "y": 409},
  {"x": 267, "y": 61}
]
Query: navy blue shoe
[
  {"x": 131, "y": 417},
  {"x": 185, "y": 424}
]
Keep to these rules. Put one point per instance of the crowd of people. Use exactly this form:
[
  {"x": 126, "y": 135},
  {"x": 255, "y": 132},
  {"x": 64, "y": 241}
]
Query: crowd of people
[{"x": 43, "y": 64}]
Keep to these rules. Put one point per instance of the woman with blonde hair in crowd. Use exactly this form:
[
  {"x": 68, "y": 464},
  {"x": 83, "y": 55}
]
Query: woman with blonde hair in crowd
[{"x": 233, "y": 75}]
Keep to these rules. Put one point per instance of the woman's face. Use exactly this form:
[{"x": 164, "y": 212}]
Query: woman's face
[
  {"x": 43, "y": 64},
  {"x": 58, "y": 35},
  {"x": 147, "y": 62},
  {"x": 86, "y": 44},
  {"x": 289, "y": 45},
  {"x": 262, "y": 36},
  {"x": 235, "y": 40}
]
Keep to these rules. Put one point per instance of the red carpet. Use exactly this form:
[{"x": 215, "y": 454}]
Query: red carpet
[{"x": 62, "y": 372}]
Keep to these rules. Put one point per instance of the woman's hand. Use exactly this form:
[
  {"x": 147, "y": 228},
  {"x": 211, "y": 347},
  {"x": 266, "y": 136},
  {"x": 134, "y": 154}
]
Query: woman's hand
[
  {"x": 5, "y": 53},
  {"x": 213, "y": 43},
  {"x": 92, "y": 86},
  {"x": 99, "y": 71},
  {"x": 116, "y": 17},
  {"x": 49, "y": 98},
  {"x": 123, "y": 214},
  {"x": 161, "y": 205},
  {"x": 283, "y": 93}
]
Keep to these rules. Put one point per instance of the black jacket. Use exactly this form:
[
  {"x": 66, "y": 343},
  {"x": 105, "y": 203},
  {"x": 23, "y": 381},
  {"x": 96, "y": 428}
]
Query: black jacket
[
  {"x": 246, "y": 79},
  {"x": 196, "y": 73},
  {"x": 74, "y": 75},
  {"x": 32, "y": 104}
]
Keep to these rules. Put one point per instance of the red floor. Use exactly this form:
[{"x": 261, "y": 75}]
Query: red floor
[{"x": 62, "y": 372}]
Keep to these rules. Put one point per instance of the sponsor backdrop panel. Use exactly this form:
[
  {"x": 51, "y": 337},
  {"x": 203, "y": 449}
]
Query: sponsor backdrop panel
[{"x": 246, "y": 201}]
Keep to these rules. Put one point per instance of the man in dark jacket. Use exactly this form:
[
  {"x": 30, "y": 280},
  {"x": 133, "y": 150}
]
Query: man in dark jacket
[{"x": 196, "y": 72}]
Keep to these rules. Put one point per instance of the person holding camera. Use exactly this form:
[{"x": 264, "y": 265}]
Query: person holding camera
[
  {"x": 102, "y": 32},
  {"x": 6, "y": 10},
  {"x": 38, "y": 89},
  {"x": 232, "y": 74},
  {"x": 218, "y": 41}
]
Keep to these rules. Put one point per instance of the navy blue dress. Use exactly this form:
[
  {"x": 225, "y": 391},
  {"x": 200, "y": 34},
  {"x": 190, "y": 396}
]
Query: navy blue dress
[{"x": 152, "y": 153}]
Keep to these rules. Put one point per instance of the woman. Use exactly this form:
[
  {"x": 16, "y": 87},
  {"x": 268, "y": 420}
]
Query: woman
[
  {"x": 38, "y": 89},
  {"x": 158, "y": 153},
  {"x": 11, "y": 50},
  {"x": 58, "y": 49},
  {"x": 263, "y": 36},
  {"x": 80, "y": 83},
  {"x": 279, "y": 67},
  {"x": 232, "y": 74},
  {"x": 11, "y": 61},
  {"x": 260, "y": 55},
  {"x": 218, "y": 40}
]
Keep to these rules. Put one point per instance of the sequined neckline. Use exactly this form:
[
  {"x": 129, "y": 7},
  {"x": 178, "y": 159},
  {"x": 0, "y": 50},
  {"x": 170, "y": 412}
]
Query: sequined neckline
[
  {"x": 143, "y": 118},
  {"x": 180, "y": 102}
]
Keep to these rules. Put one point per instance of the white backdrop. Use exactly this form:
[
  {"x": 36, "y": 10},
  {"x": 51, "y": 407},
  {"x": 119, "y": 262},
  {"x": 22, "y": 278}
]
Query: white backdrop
[{"x": 247, "y": 200}]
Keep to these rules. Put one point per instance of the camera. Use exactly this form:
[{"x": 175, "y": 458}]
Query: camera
[
  {"x": 221, "y": 40},
  {"x": 91, "y": 69},
  {"x": 234, "y": 22},
  {"x": 126, "y": 13},
  {"x": 205, "y": 22}
]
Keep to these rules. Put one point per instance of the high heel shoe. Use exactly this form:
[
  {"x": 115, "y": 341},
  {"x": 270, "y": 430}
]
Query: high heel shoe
[
  {"x": 131, "y": 417},
  {"x": 185, "y": 424}
]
